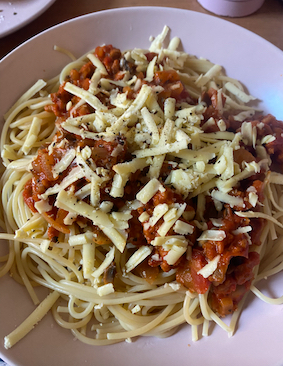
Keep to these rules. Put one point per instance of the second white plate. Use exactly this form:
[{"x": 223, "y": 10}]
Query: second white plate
[{"x": 16, "y": 14}]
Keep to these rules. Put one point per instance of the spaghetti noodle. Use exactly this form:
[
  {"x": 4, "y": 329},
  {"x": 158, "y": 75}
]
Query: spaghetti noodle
[{"x": 143, "y": 190}]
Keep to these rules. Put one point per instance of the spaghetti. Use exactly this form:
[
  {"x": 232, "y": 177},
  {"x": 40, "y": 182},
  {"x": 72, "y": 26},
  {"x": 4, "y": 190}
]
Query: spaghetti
[{"x": 143, "y": 190}]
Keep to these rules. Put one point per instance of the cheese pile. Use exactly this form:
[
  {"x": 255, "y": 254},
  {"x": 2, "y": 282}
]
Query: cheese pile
[{"x": 202, "y": 162}]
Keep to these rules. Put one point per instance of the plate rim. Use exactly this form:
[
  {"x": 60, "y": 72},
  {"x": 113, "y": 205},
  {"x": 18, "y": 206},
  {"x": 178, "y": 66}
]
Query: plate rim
[
  {"x": 138, "y": 7},
  {"x": 127, "y": 9}
]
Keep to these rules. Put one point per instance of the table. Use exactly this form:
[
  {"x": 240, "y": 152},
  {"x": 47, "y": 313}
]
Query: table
[{"x": 267, "y": 22}]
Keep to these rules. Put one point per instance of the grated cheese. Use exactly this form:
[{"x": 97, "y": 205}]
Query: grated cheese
[
  {"x": 210, "y": 267},
  {"x": 169, "y": 240},
  {"x": 170, "y": 218},
  {"x": 227, "y": 198},
  {"x": 158, "y": 212},
  {"x": 168, "y": 148},
  {"x": 106, "y": 206},
  {"x": 144, "y": 217},
  {"x": 176, "y": 245},
  {"x": 85, "y": 95},
  {"x": 169, "y": 108},
  {"x": 185, "y": 181},
  {"x": 105, "y": 289},
  {"x": 106, "y": 263},
  {"x": 149, "y": 190},
  {"x": 75, "y": 174},
  {"x": 42, "y": 206},
  {"x": 151, "y": 125},
  {"x": 150, "y": 69},
  {"x": 64, "y": 163},
  {"x": 232, "y": 88},
  {"x": 32, "y": 136},
  {"x": 67, "y": 201},
  {"x": 157, "y": 43},
  {"x": 174, "y": 254},
  {"x": 183, "y": 228},
  {"x": 253, "y": 198},
  {"x": 210, "y": 74},
  {"x": 242, "y": 230},
  {"x": 267, "y": 139},
  {"x": 214, "y": 235},
  {"x": 97, "y": 63},
  {"x": 138, "y": 257},
  {"x": 80, "y": 239},
  {"x": 123, "y": 172},
  {"x": 136, "y": 309},
  {"x": 88, "y": 259}
]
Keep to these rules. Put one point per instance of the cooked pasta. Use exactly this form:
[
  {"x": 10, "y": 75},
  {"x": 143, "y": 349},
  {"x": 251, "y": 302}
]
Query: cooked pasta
[{"x": 143, "y": 189}]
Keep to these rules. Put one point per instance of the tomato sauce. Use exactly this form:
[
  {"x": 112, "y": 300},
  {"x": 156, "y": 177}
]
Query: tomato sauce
[{"x": 234, "y": 273}]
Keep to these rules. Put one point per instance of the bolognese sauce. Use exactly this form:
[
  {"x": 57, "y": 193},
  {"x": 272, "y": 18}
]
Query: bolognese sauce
[{"x": 234, "y": 272}]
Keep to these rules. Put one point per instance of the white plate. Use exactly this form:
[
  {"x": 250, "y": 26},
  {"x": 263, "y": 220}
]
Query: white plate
[
  {"x": 15, "y": 14},
  {"x": 258, "y": 340}
]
